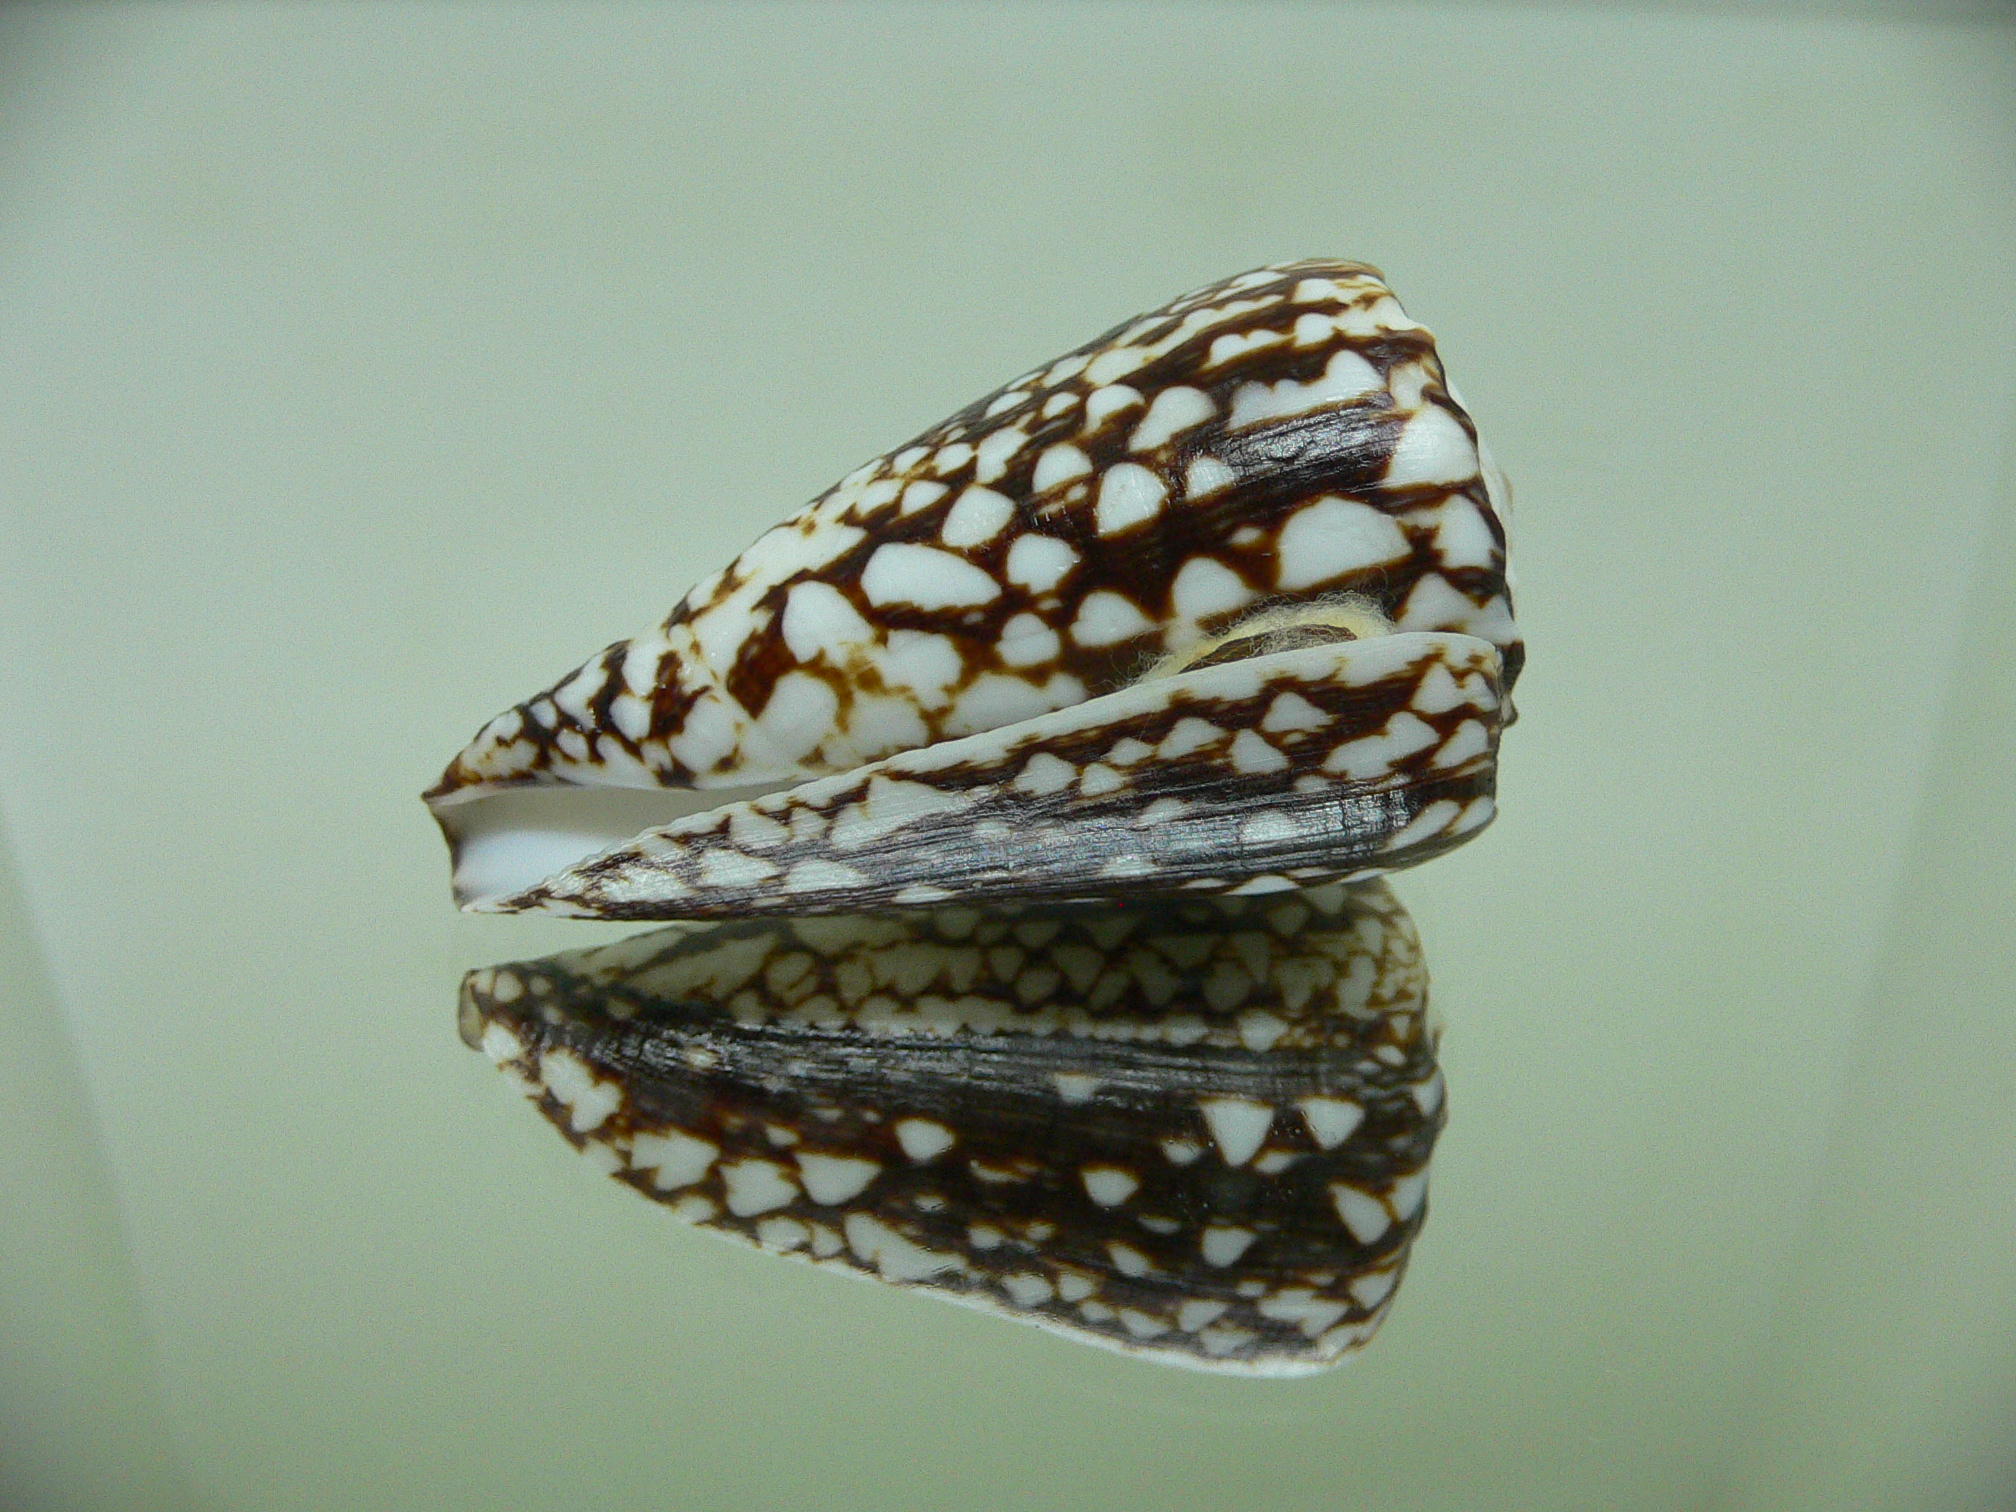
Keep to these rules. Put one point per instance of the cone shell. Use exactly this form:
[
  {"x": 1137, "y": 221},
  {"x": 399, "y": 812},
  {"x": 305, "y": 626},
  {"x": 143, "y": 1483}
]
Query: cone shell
[{"x": 1282, "y": 438}]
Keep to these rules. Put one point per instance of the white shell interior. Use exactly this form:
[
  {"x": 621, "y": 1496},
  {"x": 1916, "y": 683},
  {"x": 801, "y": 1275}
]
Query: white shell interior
[{"x": 505, "y": 841}]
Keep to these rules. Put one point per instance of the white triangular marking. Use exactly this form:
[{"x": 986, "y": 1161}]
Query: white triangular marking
[{"x": 1237, "y": 1125}]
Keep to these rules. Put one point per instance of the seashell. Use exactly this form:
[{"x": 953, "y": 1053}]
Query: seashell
[
  {"x": 1214, "y": 603},
  {"x": 1195, "y": 1130}
]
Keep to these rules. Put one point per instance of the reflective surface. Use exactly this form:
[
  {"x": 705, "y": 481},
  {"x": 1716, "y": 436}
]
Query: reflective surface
[
  {"x": 1196, "y": 1132},
  {"x": 360, "y": 372}
]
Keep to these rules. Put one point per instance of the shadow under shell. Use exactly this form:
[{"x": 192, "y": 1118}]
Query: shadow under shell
[{"x": 1197, "y": 1131}]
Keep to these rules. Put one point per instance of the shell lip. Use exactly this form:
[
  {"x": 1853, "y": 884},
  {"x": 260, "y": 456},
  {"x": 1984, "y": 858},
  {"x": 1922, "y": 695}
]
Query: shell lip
[
  {"x": 580, "y": 890},
  {"x": 453, "y": 788}
]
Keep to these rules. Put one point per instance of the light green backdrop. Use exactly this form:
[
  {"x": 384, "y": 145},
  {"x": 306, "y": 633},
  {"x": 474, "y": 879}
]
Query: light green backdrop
[{"x": 363, "y": 368}]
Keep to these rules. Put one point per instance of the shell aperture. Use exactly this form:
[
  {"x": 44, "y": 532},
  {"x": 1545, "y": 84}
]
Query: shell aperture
[
  {"x": 1194, "y": 1130},
  {"x": 992, "y": 608}
]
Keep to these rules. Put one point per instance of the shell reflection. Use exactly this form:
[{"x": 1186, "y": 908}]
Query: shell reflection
[{"x": 1194, "y": 1130}]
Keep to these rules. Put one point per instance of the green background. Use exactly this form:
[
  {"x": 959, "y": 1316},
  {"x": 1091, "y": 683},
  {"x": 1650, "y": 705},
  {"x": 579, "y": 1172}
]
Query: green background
[{"x": 362, "y": 369}]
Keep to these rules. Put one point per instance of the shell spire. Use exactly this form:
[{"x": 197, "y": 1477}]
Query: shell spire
[{"x": 1282, "y": 437}]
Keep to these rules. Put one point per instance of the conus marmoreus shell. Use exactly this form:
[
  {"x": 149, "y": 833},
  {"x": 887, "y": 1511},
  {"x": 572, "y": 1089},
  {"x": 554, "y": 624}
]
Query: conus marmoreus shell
[
  {"x": 1217, "y": 601},
  {"x": 1197, "y": 1131}
]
